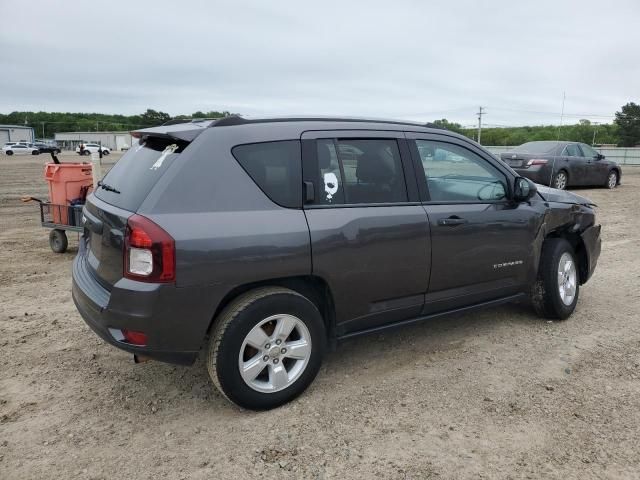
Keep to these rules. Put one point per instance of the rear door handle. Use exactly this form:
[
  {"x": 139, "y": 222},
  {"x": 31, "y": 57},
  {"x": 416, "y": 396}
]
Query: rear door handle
[{"x": 452, "y": 221}]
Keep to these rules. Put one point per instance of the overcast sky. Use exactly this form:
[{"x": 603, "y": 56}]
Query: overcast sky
[{"x": 417, "y": 60}]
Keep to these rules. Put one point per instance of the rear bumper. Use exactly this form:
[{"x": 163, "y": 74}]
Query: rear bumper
[
  {"x": 593, "y": 247},
  {"x": 175, "y": 319}
]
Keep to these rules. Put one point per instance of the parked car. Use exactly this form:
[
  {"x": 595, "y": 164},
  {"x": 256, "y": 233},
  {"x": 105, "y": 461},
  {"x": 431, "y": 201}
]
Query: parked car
[
  {"x": 90, "y": 148},
  {"x": 20, "y": 149},
  {"x": 563, "y": 164},
  {"x": 305, "y": 232},
  {"x": 47, "y": 147}
]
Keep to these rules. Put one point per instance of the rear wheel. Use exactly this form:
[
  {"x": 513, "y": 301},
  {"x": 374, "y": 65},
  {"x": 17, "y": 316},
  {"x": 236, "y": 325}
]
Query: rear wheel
[
  {"x": 555, "y": 293},
  {"x": 9, "y": 152},
  {"x": 58, "y": 241},
  {"x": 561, "y": 180},
  {"x": 266, "y": 348},
  {"x": 35, "y": 152},
  {"x": 612, "y": 180},
  {"x": 87, "y": 152}
]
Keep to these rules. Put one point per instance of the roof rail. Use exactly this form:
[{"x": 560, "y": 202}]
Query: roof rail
[{"x": 233, "y": 120}]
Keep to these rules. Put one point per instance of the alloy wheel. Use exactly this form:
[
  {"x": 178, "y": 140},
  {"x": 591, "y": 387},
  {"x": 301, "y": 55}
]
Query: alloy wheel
[
  {"x": 275, "y": 353},
  {"x": 567, "y": 279}
]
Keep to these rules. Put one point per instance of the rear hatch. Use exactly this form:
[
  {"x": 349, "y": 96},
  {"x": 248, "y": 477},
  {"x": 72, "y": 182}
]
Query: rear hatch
[{"x": 121, "y": 192}]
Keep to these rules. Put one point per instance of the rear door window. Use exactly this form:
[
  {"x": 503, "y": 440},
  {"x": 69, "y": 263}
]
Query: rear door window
[
  {"x": 135, "y": 174},
  {"x": 359, "y": 171},
  {"x": 276, "y": 168},
  {"x": 572, "y": 150}
]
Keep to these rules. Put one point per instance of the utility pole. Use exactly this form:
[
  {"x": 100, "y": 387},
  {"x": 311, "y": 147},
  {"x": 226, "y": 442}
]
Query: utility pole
[
  {"x": 564, "y": 97},
  {"x": 42, "y": 129},
  {"x": 595, "y": 130},
  {"x": 480, "y": 113}
]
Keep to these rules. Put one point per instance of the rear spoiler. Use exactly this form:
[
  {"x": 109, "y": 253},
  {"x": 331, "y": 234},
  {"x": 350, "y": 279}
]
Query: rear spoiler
[{"x": 186, "y": 131}]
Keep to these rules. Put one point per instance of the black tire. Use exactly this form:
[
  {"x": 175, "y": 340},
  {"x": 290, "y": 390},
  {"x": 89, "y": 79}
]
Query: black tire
[
  {"x": 545, "y": 292},
  {"x": 612, "y": 180},
  {"x": 9, "y": 152},
  {"x": 232, "y": 327},
  {"x": 106, "y": 152},
  {"x": 87, "y": 152},
  {"x": 35, "y": 152},
  {"x": 561, "y": 180},
  {"x": 58, "y": 241}
]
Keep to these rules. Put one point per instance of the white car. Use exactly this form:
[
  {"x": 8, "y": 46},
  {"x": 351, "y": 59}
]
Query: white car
[
  {"x": 20, "y": 149},
  {"x": 90, "y": 148}
]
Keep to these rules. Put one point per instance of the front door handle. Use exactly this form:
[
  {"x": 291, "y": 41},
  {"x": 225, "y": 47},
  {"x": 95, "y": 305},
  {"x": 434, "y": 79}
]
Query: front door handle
[{"x": 452, "y": 221}]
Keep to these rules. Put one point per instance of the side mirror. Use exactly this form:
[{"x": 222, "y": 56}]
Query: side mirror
[
  {"x": 523, "y": 189},
  {"x": 599, "y": 156}
]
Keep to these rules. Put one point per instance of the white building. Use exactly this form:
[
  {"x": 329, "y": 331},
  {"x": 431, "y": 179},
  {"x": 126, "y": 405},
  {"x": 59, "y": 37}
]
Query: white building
[
  {"x": 16, "y": 133},
  {"x": 113, "y": 140}
]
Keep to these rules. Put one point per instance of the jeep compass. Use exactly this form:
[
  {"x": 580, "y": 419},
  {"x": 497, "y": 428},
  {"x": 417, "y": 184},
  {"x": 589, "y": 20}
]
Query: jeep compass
[{"x": 264, "y": 242}]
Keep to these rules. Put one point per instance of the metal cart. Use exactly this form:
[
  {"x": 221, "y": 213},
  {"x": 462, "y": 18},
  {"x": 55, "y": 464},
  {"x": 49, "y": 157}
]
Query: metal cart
[{"x": 61, "y": 219}]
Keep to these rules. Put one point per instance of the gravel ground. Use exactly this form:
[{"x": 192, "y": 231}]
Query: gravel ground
[{"x": 495, "y": 394}]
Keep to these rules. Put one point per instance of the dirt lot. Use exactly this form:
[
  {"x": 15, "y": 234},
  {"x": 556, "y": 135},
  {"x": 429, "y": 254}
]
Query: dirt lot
[{"x": 496, "y": 394}]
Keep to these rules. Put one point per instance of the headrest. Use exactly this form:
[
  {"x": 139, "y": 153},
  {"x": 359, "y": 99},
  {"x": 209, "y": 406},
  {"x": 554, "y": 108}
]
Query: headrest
[{"x": 374, "y": 168}]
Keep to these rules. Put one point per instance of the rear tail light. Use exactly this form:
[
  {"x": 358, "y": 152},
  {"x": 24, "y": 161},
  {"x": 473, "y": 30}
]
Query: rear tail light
[
  {"x": 537, "y": 161},
  {"x": 150, "y": 252}
]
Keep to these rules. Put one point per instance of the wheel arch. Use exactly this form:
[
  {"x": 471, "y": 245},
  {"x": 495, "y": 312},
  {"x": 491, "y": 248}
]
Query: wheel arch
[
  {"x": 312, "y": 287},
  {"x": 577, "y": 243}
]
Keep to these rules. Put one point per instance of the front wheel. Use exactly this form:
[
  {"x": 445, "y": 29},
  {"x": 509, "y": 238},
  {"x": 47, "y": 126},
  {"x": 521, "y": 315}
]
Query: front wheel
[
  {"x": 87, "y": 152},
  {"x": 561, "y": 180},
  {"x": 612, "y": 180},
  {"x": 9, "y": 152},
  {"x": 554, "y": 295},
  {"x": 266, "y": 348}
]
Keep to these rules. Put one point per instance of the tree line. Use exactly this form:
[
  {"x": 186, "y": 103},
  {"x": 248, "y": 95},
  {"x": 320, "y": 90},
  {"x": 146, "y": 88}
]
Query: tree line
[
  {"x": 46, "y": 124},
  {"x": 624, "y": 131}
]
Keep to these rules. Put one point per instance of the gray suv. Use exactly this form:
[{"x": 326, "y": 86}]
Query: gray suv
[{"x": 270, "y": 240}]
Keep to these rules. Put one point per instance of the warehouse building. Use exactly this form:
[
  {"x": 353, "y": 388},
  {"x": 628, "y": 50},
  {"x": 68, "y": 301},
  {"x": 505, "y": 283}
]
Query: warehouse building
[
  {"x": 16, "y": 133},
  {"x": 114, "y": 140}
]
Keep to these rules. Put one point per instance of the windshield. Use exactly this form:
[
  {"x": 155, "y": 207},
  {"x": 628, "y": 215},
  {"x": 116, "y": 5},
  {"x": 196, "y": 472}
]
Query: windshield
[
  {"x": 536, "y": 147},
  {"x": 131, "y": 179}
]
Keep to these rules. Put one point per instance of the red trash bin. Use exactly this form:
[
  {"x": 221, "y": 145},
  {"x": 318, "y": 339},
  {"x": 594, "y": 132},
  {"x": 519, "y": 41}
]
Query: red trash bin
[{"x": 66, "y": 181}]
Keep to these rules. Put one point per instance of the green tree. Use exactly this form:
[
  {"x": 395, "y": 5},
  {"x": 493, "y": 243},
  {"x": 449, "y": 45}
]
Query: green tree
[
  {"x": 444, "y": 123},
  {"x": 628, "y": 123},
  {"x": 154, "y": 118}
]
